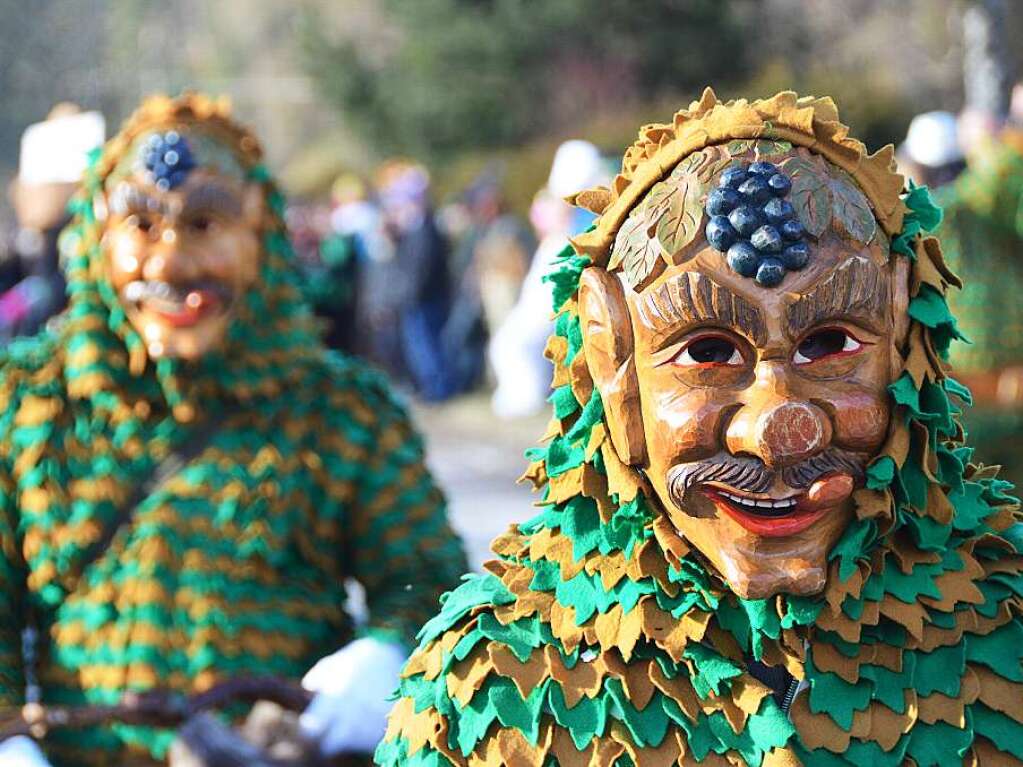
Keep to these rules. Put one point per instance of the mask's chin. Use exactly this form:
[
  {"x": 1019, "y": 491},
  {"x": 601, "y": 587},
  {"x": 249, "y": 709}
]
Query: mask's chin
[{"x": 755, "y": 566}]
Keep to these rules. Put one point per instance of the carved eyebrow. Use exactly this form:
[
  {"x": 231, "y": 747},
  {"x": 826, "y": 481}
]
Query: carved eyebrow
[
  {"x": 127, "y": 199},
  {"x": 212, "y": 197},
  {"x": 858, "y": 288},
  {"x": 692, "y": 297}
]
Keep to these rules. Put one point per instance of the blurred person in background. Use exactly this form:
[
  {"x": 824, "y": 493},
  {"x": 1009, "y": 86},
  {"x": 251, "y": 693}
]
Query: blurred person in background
[
  {"x": 488, "y": 266},
  {"x": 516, "y": 349},
  {"x": 53, "y": 157},
  {"x": 982, "y": 233},
  {"x": 327, "y": 258},
  {"x": 188, "y": 476},
  {"x": 932, "y": 155},
  {"x": 411, "y": 293}
]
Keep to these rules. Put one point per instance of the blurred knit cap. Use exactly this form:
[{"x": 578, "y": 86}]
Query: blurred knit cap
[
  {"x": 932, "y": 140},
  {"x": 577, "y": 165},
  {"x": 56, "y": 150}
]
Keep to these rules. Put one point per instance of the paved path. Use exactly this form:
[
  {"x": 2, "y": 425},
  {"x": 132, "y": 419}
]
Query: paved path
[{"x": 477, "y": 460}]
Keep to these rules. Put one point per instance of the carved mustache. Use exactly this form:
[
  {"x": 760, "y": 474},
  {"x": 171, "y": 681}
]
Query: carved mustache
[{"x": 751, "y": 475}]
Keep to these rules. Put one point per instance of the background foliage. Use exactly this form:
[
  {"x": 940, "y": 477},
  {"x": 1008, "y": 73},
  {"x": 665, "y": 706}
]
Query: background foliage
[{"x": 342, "y": 84}]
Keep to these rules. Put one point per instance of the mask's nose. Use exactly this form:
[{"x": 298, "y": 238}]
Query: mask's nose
[
  {"x": 780, "y": 433},
  {"x": 167, "y": 261}
]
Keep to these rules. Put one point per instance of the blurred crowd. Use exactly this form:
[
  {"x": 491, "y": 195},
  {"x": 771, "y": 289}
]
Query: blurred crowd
[
  {"x": 449, "y": 296},
  {"x": 447, "y": 299}
]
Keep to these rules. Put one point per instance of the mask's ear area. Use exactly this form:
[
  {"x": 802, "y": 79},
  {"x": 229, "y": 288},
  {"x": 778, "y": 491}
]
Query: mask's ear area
[
  {"x": 608, "y": 346},
  {"x": 900, "y": 313}
]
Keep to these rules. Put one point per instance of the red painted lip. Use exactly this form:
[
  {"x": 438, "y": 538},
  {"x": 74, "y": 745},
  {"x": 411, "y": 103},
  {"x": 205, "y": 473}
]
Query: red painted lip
[{"x": 802, "y": 517}]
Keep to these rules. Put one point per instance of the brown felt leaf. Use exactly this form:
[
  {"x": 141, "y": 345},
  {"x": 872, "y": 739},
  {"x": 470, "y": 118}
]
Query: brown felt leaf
[
  {"x": 782, "y": 757},
  {"x": 851, "y": 210},
  {"x": 810, "y": 194}
]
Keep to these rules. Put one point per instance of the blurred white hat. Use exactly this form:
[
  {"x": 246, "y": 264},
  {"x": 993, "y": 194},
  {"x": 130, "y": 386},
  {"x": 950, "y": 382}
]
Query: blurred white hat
[
  {"x": 577, "y": 166},
  {"x": 56, "y": 150},
  {"x": 933, "y": 140}
]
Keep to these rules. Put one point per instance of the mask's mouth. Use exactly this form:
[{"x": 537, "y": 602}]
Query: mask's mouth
[
  {"x": 782, "y": 514},
  {"x": 179, "y": 305}
]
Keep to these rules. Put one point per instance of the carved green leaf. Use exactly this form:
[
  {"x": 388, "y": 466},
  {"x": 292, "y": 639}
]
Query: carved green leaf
[
  {"x": 771, "y": 148},
  {"x": 640, "y": 252},
  {"x": 680, "y": 223},
  {"x": 739, "y": 146},
  {"x": 852, "y": 211},
  {"x": 810, "y": 195}
]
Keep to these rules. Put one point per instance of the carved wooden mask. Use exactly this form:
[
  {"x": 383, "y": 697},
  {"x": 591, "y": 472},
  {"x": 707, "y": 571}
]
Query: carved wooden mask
[{"x": 752, "y": 409}]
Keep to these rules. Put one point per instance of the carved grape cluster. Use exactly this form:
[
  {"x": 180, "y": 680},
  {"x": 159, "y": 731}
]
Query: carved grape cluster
[
  {"x": 753, "y": 223},
  {"x": 167, "y": 158}
]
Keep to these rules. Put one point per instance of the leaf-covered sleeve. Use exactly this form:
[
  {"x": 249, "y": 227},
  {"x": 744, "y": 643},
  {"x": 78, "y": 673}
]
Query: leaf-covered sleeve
[
  {"x": 12, "y": 590},
  {"x": 402, "y": 548}
]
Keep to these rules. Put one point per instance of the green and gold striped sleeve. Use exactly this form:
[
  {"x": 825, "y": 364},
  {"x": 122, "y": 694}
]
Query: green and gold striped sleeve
[
  {"x": 12, "y": 591},
  {"x": 403, "y": 550}
]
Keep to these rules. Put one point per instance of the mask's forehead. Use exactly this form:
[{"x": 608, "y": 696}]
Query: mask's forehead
[
  {"x": 165, "y": 157},
  {"x": 767, "y": 208}
]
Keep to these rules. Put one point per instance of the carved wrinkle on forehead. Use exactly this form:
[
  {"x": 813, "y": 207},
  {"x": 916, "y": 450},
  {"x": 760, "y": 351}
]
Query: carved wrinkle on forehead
[
  {"x": 856, "y": 289},
  {"x": 213, "y": 197},
  {"x": 690, "y": 298}
]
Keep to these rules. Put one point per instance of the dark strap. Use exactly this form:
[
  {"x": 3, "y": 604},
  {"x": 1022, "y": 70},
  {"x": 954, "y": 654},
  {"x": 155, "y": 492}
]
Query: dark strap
[
  {"x": 776, "y": 677},
  {"x": 157, "y": 476}
]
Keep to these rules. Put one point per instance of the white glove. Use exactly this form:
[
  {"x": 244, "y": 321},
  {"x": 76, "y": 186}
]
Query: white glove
[
  {"x": 349, "y": 712},
  {"x": 21, "y": 751}
]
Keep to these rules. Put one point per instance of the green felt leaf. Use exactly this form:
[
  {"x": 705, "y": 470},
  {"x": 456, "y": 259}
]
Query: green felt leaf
[
  {"x": 1001, "y": 650},
  {"x": 810, "y": 194},
  {"x": 1004, "y": 732},
  {"x": 474, "y": 590},
  {"x": 587, "y": 720},
  {"x": 880, "y": 473},
  {"x": 851, "y": 209},
  {"x": 940, "y": 670},
  {"x": 939, "y": 744},
  {"x": 831, "y": 694},
  {"x": 712, "y": 669}
]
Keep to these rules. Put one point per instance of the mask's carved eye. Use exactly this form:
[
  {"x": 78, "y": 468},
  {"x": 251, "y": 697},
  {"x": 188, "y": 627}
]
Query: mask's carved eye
[
  {"x": 824, "y": 343},
  {"x": 706, "y": 351}
]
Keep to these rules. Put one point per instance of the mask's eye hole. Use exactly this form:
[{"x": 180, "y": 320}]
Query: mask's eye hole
[
  {"x": 709, "y": 350},
  {"x": 141, "y": 222},
  {"x": 828, "y": 342},
  {"x": 200, "y": 224}
]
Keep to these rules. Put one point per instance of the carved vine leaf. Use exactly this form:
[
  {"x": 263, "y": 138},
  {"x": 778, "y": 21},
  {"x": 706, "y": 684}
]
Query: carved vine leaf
[
  {"x": 771, "y": 148},
  {"x": 639, "y": 251},
  {"x": 810, "y": 195},
  {"x": 852, "y": 211},
  {"x": 739, "y": 146},
  {"x": 680, "y": 223}
]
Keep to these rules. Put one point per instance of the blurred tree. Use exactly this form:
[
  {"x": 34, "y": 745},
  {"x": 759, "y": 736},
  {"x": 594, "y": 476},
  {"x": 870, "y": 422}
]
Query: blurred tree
[{"x": 435, "y": 77}]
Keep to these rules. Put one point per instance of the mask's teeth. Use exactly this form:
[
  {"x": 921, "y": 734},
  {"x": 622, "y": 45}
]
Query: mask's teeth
[{"x": 135, "y": 291}]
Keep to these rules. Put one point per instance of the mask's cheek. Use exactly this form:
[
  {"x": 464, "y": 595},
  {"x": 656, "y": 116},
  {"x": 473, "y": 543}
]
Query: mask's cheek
[
  {"x": 233, "y": 257},
  {"x": 124, "y": 257},
  {"x": 682, "y": 424},
  {"x": 860, "y": 420}
]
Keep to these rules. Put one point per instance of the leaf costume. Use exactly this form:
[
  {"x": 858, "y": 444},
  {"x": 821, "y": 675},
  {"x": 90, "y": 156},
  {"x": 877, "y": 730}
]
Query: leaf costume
[
  {"x": 236, "y": 564},
  {"x": 600, "y": 637}
]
